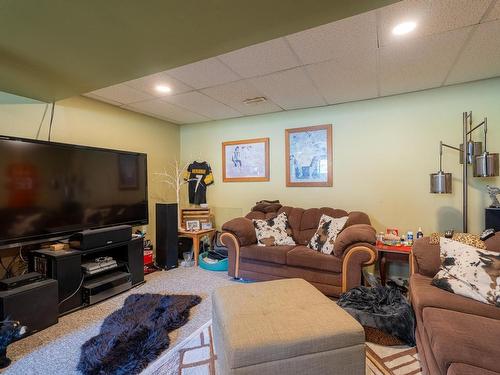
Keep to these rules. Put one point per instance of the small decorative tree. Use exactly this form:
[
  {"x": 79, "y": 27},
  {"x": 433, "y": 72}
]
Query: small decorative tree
[{"x": 174, "y": 178}]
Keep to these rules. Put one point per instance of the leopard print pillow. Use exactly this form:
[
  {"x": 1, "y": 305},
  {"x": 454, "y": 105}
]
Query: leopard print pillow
[
  {"x": 273, "y": 232},
  {"x": 469, "y": 272},
  {"x": 465, "y": 238},
  {"x": 326, "y": 234}
]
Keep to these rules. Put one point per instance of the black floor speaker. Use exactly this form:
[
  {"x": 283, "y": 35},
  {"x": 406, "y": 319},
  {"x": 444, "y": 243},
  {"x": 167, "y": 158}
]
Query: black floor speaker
[{"x": 166, "y": 235}]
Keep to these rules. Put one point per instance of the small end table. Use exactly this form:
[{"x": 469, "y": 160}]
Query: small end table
[
  {"x": 387, "y": 254},
  {"x": 196, "y": 236}
]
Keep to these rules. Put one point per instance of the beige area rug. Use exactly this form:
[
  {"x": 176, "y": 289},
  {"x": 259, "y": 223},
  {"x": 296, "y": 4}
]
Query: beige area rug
[
  {"x": 62, "y": 342},
  {"x": 196, "y": 356}
]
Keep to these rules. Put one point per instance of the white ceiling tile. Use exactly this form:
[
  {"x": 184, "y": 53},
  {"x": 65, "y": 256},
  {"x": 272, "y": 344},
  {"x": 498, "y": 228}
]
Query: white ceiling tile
[
  {"x": 202, "y": 104},
  {"x": 421, "y": 63},
  {"x": 148, "y": 84},
  {"x": 432, "y": 17},
  {"x": 122, "y": 94},
  {"x": 350, "y": 36},
  {"x": 494, "y": 13},
  {"x": 205, "y": 73},
  {"x": 162, "y": 109},
  {"x": 261, "y": 59},
  {"x": 97, "y": 97},
  {"x": 233, "y": 94},
  {"x": 345, "y": 79},
  {"x": 481, "y": 57},
  {"x": 290, "y": 89}
]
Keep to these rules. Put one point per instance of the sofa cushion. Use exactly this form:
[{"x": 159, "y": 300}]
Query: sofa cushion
[
  {"x": 326, "y": 234},
  {"x": 273, "y": 232},
  {"x": 424, "y": 294},
  {"x": 302, "y": 256},
  {"x": 463, "y": 369},
  {"x": 469, "y": 272},
  {"x": 272, "y": 254},
  {"x": 464, "y": 338}
]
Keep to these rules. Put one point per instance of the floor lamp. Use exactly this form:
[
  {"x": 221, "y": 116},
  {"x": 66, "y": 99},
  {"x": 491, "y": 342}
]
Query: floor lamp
[{"x": 484, "y": 164}]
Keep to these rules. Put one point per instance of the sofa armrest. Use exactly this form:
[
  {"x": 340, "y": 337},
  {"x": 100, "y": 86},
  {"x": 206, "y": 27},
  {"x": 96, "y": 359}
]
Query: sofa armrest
[
  {"x": 354, "y": 259},
  {"x": 233, "y": 253},
  {"x": 352, "y": 235},
  {"x": 243, "y": 229}
]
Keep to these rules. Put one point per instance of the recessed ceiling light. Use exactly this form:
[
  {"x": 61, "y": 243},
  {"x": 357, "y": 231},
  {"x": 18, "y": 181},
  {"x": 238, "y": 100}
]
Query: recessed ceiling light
[
  {"x": 163, "y": 88},
  {"x": 404, "y": 28}
]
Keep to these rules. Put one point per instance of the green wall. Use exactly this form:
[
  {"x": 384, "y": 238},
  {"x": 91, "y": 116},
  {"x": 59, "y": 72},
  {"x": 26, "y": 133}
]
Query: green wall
[{"x": 384, "y": 150}]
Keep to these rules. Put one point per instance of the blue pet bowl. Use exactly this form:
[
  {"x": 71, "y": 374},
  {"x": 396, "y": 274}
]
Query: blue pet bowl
[{"x": 221, "y": 265}]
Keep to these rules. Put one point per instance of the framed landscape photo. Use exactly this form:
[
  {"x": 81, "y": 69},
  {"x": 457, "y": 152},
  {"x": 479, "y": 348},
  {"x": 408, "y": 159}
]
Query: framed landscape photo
[
  {"x": 246, "y": 160},
  {"x": 309, "y": 156}
]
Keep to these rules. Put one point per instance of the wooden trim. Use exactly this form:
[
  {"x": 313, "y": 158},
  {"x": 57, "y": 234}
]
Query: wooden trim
[
  {"x": 245, "y": 179},
  {"x": 236, "y": 250},
  {"x": 345, "y": 263},
  {"x": 329, "y": 141}
]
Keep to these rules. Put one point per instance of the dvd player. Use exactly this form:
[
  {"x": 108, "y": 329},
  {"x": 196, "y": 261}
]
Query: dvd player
[{"x": 106, "y": 286}]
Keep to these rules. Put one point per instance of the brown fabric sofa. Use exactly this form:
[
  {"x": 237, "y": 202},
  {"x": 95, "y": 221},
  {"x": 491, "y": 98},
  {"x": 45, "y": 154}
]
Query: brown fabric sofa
[
  {"x": 331, "y": 274},
  {"x": 455, "y": 335}
]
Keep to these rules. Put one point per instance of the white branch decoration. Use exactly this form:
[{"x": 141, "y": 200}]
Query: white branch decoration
[{"x": 174, "y": 179}]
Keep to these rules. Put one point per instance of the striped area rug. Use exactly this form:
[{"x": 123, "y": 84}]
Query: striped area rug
[{"x": 196, "y": 356}]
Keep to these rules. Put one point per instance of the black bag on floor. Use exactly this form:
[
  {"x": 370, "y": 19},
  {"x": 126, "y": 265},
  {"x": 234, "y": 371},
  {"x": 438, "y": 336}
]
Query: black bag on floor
[{"x": 218, "y": 247}]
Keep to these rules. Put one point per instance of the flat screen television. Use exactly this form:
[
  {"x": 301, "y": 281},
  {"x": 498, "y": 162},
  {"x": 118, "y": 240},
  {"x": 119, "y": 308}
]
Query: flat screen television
[{"x": 49, "y": 190}]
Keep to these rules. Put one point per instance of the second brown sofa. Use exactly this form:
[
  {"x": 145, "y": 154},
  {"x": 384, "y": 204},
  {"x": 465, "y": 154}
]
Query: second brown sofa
[{"x": 331, "y": 274}]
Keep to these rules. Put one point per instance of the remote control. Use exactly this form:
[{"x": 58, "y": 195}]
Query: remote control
[{"x": 487, "y": 234}]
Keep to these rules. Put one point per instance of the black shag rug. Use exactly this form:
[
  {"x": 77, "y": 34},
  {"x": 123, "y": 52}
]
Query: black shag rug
[{"x": 135, "y": 335}]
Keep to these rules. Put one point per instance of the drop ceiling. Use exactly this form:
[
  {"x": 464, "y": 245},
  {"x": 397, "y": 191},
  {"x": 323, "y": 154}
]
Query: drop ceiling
[
  {"x": 351, "y": 59},
  {"x": 50, "y": 50}
]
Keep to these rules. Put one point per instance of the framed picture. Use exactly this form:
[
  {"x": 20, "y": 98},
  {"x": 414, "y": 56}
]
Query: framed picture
[
  {"x": 128, "y": 172},
  {"x": 309, "y": 156},
  {"x": 192, "y": 225},
  {"x": 206, "y": 226},
  {"x": 246, "y": 160}
]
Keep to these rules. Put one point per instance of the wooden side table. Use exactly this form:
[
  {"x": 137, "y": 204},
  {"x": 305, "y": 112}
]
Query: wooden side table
[
  {"x": 196, "y": 237},
  {"x": 387, "y": 254}
]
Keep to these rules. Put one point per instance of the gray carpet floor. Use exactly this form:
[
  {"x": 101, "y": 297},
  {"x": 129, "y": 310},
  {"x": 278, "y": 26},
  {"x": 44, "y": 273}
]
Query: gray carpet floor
[{"x": 56, "y": 350}]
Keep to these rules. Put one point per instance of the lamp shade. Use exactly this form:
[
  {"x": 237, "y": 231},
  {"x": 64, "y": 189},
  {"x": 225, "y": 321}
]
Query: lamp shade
[
  {"x": 486, "y": 165},
  {"x": 473, "y": 149},
  {"x": 440, "y": 183}
]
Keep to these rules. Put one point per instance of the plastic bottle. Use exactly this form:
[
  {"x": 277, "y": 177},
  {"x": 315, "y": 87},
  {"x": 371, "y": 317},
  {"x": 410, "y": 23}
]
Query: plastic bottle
[{"x": 420, "y": 234}]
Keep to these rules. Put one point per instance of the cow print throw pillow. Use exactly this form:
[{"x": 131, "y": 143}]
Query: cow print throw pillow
[
  {"x": 469, "y": 272},
  {"x": 273, "y": 232},
  {"x": 327, "y": 232}
]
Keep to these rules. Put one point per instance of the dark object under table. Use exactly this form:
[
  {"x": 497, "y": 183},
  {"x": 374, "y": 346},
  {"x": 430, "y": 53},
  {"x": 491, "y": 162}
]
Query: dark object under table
[{"x": 388, "y": 254}]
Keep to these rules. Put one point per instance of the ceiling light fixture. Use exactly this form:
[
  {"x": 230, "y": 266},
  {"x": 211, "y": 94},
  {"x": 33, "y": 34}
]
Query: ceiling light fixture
[
  {"x": 404, "y": 28},
  {"x": 163, "y": 88}
]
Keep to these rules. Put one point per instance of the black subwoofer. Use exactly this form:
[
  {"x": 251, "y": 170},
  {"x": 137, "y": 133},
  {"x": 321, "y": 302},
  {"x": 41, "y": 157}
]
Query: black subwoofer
[
  {"x": 166, "y": 235},
  {"x": 34, "y": 305}
]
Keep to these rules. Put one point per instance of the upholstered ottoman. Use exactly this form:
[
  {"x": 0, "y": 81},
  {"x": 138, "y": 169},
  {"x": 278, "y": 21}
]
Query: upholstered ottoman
[{"x": 284, "y": 327}]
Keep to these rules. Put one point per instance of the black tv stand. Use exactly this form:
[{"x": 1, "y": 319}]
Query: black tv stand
[{"x": 65, "y": 266}]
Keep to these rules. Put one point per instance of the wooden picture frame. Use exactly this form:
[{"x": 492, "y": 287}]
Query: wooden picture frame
[
  {"x": 246, "y": 160},
  {"x": 314, "y": 142}
]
